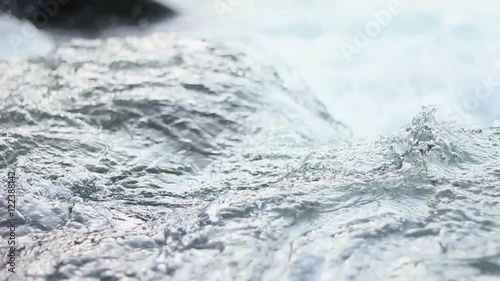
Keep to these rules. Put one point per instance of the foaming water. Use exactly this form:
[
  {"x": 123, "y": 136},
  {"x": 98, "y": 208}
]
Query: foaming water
[
  {"x": 179, "y": 159},
  {"x": 21, "y": 39},
  {"x": 167, "y": 158},
  {"x": 426, "y": 53}
]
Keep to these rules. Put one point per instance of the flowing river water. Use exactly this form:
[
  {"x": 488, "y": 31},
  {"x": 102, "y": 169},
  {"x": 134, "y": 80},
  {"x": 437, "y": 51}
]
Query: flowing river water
[{"x": 169, "y": 157}]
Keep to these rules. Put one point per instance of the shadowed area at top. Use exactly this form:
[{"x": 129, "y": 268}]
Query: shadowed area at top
[{"x": 86, "y": 14}]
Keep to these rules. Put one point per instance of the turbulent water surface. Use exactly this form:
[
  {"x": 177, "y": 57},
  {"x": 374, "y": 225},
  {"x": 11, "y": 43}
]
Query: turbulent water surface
[{"x": 167, "y": 158}]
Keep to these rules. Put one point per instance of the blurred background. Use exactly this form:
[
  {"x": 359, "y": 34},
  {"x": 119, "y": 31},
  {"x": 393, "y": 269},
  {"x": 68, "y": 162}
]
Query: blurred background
[{"x": 373, "y": 63}]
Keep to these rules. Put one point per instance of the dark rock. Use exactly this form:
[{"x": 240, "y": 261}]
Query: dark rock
[{"x": 86, "y": 14}]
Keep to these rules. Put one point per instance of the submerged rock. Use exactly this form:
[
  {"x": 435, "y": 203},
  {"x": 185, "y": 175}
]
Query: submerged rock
[{"x": 86, "y": 14}]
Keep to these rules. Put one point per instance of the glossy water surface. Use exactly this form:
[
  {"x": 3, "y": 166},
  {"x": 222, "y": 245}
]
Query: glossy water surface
[{"x": 167, "y": 158}]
